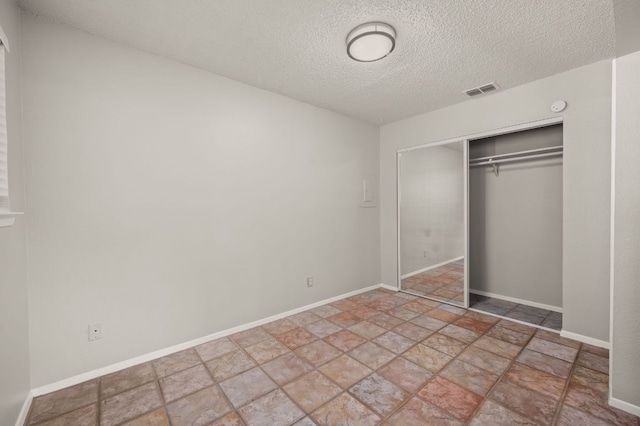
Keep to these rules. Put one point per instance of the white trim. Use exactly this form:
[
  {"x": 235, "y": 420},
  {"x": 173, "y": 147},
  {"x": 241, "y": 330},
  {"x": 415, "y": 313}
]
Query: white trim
[
  {"x": 465, "y": 212},
  {"x": 398, "y": 201},
  {"x": 585, "y": 339},
  {"x": 419, "y": 271},
  {"x": 22, "y": 417},
  {"x": 491, "y": 314},
  {"x": 80, "y": 378},
  {"x": 496, "y": 132},
  {"x": 624, "y": 406},
  {"x": 5, "y": 40},
  {"x": 516, "y": 300},
  {"x": 389, "y": 287},
  {"x": 612, "y": 226}
]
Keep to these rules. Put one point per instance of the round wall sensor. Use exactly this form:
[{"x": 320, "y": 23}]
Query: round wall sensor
[{"x": 558, "y": 106}]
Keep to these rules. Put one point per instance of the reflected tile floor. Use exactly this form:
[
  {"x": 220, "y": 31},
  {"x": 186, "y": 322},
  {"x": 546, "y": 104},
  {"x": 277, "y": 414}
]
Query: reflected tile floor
[
  {"x": 445, "y": 283},
  {"x": 378, "y": 358},
  {"x": 528, "y": 314}
]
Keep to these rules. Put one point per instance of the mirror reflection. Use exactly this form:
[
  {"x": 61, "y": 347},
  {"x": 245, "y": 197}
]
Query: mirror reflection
[{"x": 432, "y": 229}]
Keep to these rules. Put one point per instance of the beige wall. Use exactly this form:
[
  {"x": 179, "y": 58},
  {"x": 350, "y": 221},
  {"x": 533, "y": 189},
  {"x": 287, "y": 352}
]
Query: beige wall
[
  {"x": 625, "y": 374},
  {"x": 586, "y": 177},
  {"x": 169, "y": 203},
  {"x": 14, "y": 329}
]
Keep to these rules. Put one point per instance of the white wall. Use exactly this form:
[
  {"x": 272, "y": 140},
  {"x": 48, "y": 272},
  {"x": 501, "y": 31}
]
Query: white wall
[
  {"x": 625, "y": 374},
  {"x": 586, "y": 177},
  {"x": 14, "y": 330},
  {"x": 515, "y": 219},
  {"x": 169, "y": 203},
  {"x": 431, "y": 207}
]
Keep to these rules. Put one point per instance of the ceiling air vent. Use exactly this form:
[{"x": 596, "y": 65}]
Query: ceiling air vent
[{"x": 485, "y": 88}]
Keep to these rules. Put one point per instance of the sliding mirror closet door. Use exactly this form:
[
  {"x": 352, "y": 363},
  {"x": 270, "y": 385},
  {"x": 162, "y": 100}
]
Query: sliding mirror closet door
[{"x": 432, "y": 236}]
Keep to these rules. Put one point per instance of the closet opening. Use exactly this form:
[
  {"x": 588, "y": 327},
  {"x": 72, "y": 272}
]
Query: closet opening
[{"x": 515, "y": 226}]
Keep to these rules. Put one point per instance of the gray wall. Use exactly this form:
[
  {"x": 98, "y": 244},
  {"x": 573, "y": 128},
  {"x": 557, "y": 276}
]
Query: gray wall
[
  {"x": 586, "y": 177},
  {"x": 625, "y": 372},
  {"x": 431, "y": 207},
  {"x": 169, "y": 203},
  {"x": 14, "y": 326},
  {"x": 515, "y": 220}
]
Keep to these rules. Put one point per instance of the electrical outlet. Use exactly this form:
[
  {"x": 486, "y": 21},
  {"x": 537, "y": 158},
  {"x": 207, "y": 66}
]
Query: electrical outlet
[
  {"x": 309, "y": 281},
  {"x": 95, "y": 332}
]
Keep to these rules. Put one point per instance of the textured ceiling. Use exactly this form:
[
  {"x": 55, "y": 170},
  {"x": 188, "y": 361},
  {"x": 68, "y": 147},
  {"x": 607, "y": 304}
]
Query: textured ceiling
[{"x": 297, "y": 47}]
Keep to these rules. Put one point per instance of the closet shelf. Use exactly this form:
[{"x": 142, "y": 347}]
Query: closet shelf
[{"x": 517, "y": 156}]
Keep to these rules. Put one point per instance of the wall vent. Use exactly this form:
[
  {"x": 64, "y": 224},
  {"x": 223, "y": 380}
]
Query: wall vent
[{"x": 485, "y": 88}]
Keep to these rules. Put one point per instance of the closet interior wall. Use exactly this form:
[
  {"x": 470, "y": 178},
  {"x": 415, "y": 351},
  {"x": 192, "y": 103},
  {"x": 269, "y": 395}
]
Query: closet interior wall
[{"x": 515, "y": 220}]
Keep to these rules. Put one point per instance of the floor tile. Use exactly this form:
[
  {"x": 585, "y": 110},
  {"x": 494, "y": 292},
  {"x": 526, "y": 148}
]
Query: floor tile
[
  {"x": 325, "y": 311},
  {"x": 555, "y": 350},
  {"x": 450, "y": 397},
  {"x": 528, "y": 314},
  {"x": 385, "y": 321},
  {"x": 229, "y": 365},
  {"x": 493, "y": 414},
  {"x": 185, "y": 382},
  {"x": 280, "y": 326},
  {"x": 590, "y": 378},
  {"x": 570, "y": 416},
  {"x": 402, "y": 313},
  {"x": 413, "y": 332},
  {"x": 251, "y": 337},
  {"x": 304, "y": 318},
  {"x": 344, "y": 410},
  {"x": 553, "y": 321},
  {"x": 530, "y": 378},
  {"x": 484, "y": 360},
  {"x": 394, "y": 342},
  {"x": 345, "y": 319},
  {"x": 526, "y": 402},
  {"x": 470, "y": 377},
  {"x": 317, "y": 353},
  {"x": 231, "y": 419},
  {"x": 344, "y": 305},
  {"x": 498, "y": 347},
  {"x": 247, "y": 386},
  {"x": 507, "y": 335},
  {"x": 364, "y": 312},
  {"x": 595, "y": 403},
  {"x": 286, "y": 368},
  {"x": 526, "y": 329},
  {"x": 545, "y": 363},
  {"x": 216, "y": 348},
  {"x": 272, "y": 409},
  {"x": 176, "y": 362},
  {"x": 296, "y": 338},
  {"x": 482, "y": 317},
  {"x": 555, "y": 338},
  {"x": 445, "y": 344},
  {"x": 417, "y": 307},
  {"x": 595, "y": 350},
  {"x": 345, "y": 371},
  {"x": 593, "y": 361},
  {"x": 312, "y": 390},
  {"x": 367, "y": 330},
  {"x": 129, "y": 405},
  {"x": 305, "y": 422},
  {"x": 442, "y": 315},
  {"x": 155, "y": 418},
  {"x": 429, "y": 323},
  {"x": 427, "y": 357},
  {"x": 266, "y": 350},
  {"x": 322, "y": 328},
  {"x": 126, "y": 379},
  {"x": 86, "y": 416},
  {"x": 198, "y": 409},
  {"x": 345, "y": 340},
  {"x": 372, "y": 355},
  {"x": 473, "y": 324},
  {"x": 379, "y": 394},
  {"x": 405, "y": 374},
  {"x": 414, "y": 413},
  {"x": 460, "y": 333},
  {"x": 53, "y": 404}
]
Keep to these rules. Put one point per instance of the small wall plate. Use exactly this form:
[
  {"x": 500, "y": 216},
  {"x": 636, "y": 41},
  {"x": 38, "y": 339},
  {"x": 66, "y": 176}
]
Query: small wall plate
[{"x": 558, "y": 106}]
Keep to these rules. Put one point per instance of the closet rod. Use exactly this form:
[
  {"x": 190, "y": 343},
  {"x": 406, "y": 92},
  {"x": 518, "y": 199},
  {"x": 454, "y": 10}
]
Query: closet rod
[
  {"x": 508, "y": 160},
  {"x": 530, "y": 151}
]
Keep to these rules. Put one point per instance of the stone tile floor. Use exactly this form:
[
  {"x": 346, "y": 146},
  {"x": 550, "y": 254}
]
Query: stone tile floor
[
  {"x": 528, "y": 314},
  {"x": 444, "y": 283},
  {"x": 376, "y": 358}
]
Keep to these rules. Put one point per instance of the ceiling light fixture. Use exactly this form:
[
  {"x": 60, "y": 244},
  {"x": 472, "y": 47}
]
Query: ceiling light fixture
[{"x": 371, "y": 41}]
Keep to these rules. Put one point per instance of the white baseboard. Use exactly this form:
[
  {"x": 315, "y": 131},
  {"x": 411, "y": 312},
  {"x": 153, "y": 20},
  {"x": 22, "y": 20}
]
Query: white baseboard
[
  {"x": 389, "y": 287},
  {"x": 516, "y": 300},
  {"x": 624, "y": 406},
  {"x": 80, "y": 378},
  {"x": 585, "y": 339},
  {"x": 24, "y": 411},
  {"x": 428, "y": 268}
]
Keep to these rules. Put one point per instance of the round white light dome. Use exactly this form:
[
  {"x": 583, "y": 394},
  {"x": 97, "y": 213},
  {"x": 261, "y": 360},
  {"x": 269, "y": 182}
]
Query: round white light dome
[{"x": 371, "y": 42}]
